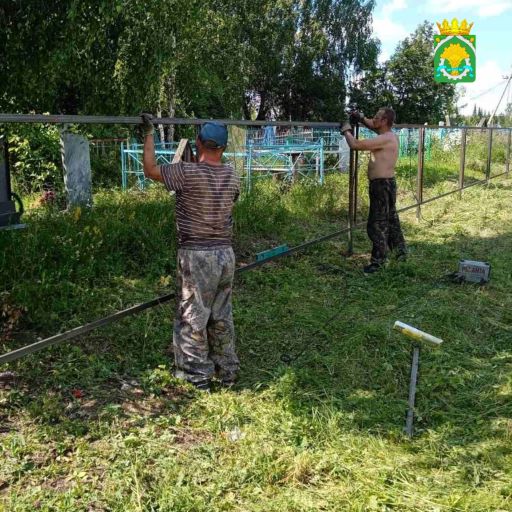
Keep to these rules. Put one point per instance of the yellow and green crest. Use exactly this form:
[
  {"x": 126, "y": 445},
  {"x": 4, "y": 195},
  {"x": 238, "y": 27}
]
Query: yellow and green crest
[{"x": 454, "y": 53}]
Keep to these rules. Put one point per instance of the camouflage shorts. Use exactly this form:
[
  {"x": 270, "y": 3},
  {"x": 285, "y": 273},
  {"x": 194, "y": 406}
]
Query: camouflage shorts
[
  {"x": 204, "y": 334},
  {"x": 383, "y": 227}
]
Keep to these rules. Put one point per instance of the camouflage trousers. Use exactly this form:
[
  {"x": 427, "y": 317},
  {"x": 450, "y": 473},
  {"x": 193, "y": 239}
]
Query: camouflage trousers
[
  {"x": 383, "y": 223},
  {"x": 204, "y": 334}
]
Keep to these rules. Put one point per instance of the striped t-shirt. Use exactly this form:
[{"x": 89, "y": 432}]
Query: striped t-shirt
[{"x": 204, "y": 202}]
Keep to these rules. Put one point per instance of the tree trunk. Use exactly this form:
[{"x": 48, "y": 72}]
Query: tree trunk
[
  {"x": 262, "y": 110},
  {"x": 160, "y": 126},
  {"x": 171, "y": 105},
  {"x": 246, "y": 107}
]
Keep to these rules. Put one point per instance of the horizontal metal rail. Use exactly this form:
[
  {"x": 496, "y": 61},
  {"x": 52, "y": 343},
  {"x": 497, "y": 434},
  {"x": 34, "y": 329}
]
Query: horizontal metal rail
[
  {"x": 77, "y": 331},
  {"x": 135, "y": 120},
  {"x": 73, "y": 333}
]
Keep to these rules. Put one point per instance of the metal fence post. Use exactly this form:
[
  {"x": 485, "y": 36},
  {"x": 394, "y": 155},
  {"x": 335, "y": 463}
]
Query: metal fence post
[
  {"x": 489, "y": 155},
  {"x": 321, "y": 161},
  {"x": 249, "y": 167},
  {"x": 462, "y": 160},
  {"x": 124, "y": 170},
  {"x": 409, "y": 429},
  {"x": 356, "y": 178},
  {"x": 507, "y": 164},
  {"x": 419, "y": 176},
  {"x": 351, "y": 203}
]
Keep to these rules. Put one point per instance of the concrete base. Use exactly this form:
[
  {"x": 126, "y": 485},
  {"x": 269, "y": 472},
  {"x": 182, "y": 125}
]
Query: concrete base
[
  {"x": 12, "y": 227},
  {"x": 8, "y": 214}
]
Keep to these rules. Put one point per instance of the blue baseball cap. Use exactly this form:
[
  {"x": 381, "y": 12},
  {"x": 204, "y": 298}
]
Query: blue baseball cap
[{"x": 214, "y": 132}]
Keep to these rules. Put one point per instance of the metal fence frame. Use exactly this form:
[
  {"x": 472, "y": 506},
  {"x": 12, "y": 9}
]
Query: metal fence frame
[{"x": 352, "y": 223}]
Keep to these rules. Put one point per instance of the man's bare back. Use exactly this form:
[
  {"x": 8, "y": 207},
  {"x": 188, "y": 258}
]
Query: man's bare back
[{"x": 383, "y": 158}]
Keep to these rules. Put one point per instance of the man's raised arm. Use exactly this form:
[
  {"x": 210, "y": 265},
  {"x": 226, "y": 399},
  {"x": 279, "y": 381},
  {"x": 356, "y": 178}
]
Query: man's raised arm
[
  {"x": 358, "y": 117},
  {"x": 151, "y": 169},
  {"x": 362, "y": 145}
]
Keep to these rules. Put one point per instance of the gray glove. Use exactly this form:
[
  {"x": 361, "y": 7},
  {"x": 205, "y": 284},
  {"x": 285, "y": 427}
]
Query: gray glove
[
  {"x": 356, "y": 117},
  {"x": 347, "y": 127},
  {"x": 147, "y": 125}
]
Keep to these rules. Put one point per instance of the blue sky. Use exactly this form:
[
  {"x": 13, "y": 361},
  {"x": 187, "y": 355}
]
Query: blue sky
[{"x": 396, "y": 19}]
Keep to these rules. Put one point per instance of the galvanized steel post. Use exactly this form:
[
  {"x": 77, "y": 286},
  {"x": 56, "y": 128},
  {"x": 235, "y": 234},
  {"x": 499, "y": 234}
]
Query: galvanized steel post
[
  {"x": 489, "y": 155},
  {"x": 356, "y": 178},
  {"x": 351, "y": 203},
  {"x": 462, "y": 160},
  {"x": 249, "y": 166},
  {"x": 419, "y": 176},
  {"x": 507, "y": 164},
  {"x": 409, "y": 420},
  {"x": 321, "y": 163}
]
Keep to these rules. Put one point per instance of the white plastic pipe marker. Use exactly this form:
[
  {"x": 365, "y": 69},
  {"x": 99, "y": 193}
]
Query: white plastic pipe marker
[{"x": 416, "y": 334}]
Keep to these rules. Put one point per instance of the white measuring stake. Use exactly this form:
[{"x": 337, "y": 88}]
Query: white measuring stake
[{"x": 416, "y": 334}]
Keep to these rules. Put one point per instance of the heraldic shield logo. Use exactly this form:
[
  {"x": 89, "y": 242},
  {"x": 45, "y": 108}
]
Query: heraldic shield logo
[{"x": 454, "y": 53}]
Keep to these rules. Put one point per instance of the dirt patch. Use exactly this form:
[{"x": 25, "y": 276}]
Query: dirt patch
[
  {"x": 187, "y": 438},
  {"x": 60, "y": 484}
]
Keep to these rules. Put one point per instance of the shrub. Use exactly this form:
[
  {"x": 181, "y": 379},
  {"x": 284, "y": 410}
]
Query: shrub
[{"x": 35, "y": 158}]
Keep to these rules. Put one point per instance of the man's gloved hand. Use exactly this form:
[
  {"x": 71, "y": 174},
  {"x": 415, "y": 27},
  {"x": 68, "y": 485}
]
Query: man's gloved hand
[
  {"x": 356, "y": 117},
  {"x": 347, "y": 127},
  {"x": 147, "y": 126}
]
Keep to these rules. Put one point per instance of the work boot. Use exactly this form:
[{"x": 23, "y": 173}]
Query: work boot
[
  {"x": 372, "y": 268},
  {"x": 227, "y": 384},
  {"x": 202, "y": 386}
]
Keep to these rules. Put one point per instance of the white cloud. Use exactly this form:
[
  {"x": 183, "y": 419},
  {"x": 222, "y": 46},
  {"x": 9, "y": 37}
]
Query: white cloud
[
  {"x": 395, "y": 5},
  {"x": 389, "y": 31},
  {"x": 384, "y": 55},
  {"x": 488, "y": 76},
  {"x": 487, "y": 8}
]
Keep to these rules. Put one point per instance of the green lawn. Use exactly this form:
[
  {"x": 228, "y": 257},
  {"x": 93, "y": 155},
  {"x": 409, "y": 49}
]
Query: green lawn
[{"x": 322, "y": 432}]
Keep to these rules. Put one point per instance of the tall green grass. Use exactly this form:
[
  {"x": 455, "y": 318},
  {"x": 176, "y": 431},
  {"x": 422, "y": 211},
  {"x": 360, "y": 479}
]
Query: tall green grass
[{"x": 101, "y": 424}]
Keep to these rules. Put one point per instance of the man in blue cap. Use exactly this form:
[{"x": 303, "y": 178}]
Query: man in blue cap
[{"x": 206, "y": 190}]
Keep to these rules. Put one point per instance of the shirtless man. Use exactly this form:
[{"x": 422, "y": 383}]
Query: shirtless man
[{"x": 383, "y": 223}]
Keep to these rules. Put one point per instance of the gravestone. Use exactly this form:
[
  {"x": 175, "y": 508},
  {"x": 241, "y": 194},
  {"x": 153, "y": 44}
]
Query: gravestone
[
  {"x": 8, "y": 214},
  {"x": 344, "y": 155},
  {"x": 77, "y": 169}
]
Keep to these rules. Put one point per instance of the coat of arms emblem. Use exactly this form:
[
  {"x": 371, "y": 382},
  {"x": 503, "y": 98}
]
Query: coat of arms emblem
[{"x": 454, "y": 53}]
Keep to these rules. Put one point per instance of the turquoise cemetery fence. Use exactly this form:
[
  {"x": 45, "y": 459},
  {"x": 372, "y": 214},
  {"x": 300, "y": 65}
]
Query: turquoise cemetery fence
[{"x": 286, "y": 153}]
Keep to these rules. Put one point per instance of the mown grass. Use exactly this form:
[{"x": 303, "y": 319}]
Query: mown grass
[{"x": 100, "y": 424}]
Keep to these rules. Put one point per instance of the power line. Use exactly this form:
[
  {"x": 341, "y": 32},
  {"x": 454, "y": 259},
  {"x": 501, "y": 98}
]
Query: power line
[
  {"x": 508, "y": 96},
  {"x": 499, "y": 102},
  {"x": 487, "y": 91}
]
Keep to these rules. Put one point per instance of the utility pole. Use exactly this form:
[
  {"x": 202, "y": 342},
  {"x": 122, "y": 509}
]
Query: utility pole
[{"x": 508, "y": 78}]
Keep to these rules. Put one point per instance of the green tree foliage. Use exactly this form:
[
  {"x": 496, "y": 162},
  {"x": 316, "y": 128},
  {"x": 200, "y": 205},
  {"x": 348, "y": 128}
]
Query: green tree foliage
[
  {"x": 89, "y": 57},
  {"x": 183, "y": 57},
  {"x": 35, "y": 155},
  {"x": 301, "y": 55},
  {"x": 333, "y": 41},
  {"x": 406, "y": 83}
]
